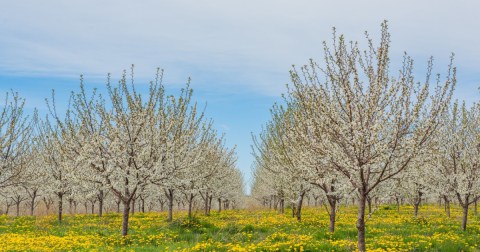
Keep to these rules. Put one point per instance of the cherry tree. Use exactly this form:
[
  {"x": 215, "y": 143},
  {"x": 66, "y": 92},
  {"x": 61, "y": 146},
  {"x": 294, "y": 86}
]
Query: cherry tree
[
  {"x": 58, "y": 167},
  {"x": 458, "y": 166},
  {"x": 35, "y": 176},
  {"x": 15, "y": 135},
  {"x": 373, "y": 124}
]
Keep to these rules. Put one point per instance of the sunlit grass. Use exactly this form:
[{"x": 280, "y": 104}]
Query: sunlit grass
[{"x": 245, "y": 230}]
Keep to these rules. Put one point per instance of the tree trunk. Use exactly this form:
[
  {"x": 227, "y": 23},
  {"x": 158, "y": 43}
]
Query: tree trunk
[
  {"x": 416, "y": 203},
  {"x": 294, "y": 207},
  {"x": 465, "y": 215},
  {"x": 369, "y": 201},
  {"x": 398, "y": 204},
  {"x": 219, "y": 205},
  {"x": 332, "y": 201},
  {"x": 32, "y": 206},
  {"x": 133, "y": 206},
  {"x": 60, "y": 207},
  {"x": 210, "y": 204},
  {"x": 190, "y": 203},
  {"x": 100, "y": 203},
  {"x": 47, "y": 204},
  {"x": 299, "y": 207},
  {"x": 447, "y": 206},
  {"x": 93, "y": 207},
  {"x": 70, "y": 206},
  {"x": 169, "y": 194},
  {"x": 143, "y": 205},
  {"x": 282, "y": 206},
  {"x": 361, "y": 221},
  {"x": 206, "y": 204},
  {"x": 415, "y": 209},
  {"x": 17, "y": 208},
  {"x": 275, "y": 202},
  {"x": 126, "y": 212}
]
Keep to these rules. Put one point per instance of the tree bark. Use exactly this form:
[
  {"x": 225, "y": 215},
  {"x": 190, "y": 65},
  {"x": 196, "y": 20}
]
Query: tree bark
[
  {"x": 100, "y": 203},
  {"x": 332, "y": 201},
  {"x": 275, "y": 202},
  {"x": 126, "y": 212},
  {"x": 398, "y": 204},
  {"x": 60, "y": 207},
  {"x": 219, "y": 205},
  {"x": 70, "y": 206},
  {"x": 415, "y": 209},
  {"x": 447, "y": 206},
  {"x": 18, "y": 208},
  {"x": 206, "y": 204},
  {"x": 169, "y": 194},
  {"x": 299, "y": 207},
  {"x": 133, "y": 206},
  {"x": 361, "y": 222},
  {"x": 190, "y": 203},
  {"x": 32, "y": 206},
  {"x": 210, "y": 204},
  {"x": 416, "y": 203},
  {"x": 282, "y": 206},
  {"x": 47, "y": 203},
  {"x": 465, "y": 216}
]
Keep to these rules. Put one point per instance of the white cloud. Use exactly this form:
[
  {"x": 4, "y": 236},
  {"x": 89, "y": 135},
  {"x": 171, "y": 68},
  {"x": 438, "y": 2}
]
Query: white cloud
[{"x": 234, "y": 44}]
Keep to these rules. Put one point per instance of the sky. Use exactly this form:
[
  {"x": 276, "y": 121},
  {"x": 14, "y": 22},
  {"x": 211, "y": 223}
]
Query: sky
[{"x": 238, "y": 53}]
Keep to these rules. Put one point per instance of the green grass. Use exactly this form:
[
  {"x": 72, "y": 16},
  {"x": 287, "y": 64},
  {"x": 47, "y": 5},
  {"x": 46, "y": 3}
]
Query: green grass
[{"x": 251, "y": 230}]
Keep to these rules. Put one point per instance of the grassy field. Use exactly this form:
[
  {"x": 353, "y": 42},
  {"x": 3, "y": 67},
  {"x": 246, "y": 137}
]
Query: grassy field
[{"x": 244, "y": 230}]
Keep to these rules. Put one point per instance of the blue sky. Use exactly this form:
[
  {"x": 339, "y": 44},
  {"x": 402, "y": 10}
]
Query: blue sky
[{"x": 237, "y": 53}]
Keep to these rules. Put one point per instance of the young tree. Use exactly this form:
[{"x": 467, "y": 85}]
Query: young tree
[
  {"x": 35, "y": 176},
  {"x": 15, "y": 134},
  {"x": 457, "y": 168},
  {"x": 57, "y": 166},
  {"x": 373, "y": 125}
]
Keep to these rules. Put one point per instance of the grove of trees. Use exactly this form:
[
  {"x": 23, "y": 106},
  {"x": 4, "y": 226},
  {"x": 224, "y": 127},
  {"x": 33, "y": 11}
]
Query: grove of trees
[
  {"x": 123, "y": 148},
  {"x": 351, "y": 130}
]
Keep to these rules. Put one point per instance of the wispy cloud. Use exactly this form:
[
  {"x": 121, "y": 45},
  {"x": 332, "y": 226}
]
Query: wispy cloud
[{"x": 232, "y": 44}]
